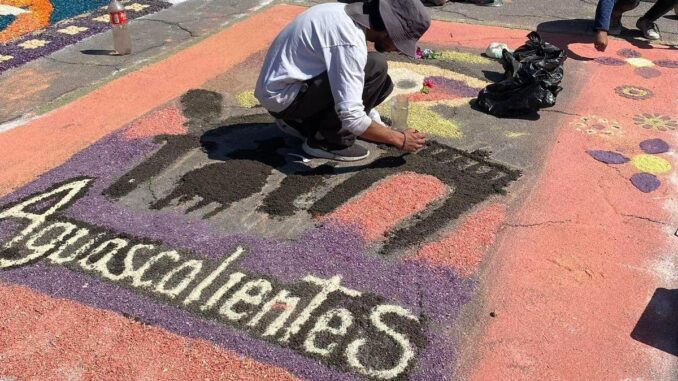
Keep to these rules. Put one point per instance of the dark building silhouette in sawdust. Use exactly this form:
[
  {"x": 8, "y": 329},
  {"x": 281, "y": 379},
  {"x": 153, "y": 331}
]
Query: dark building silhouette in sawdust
[{"x": 244, "y": 172}]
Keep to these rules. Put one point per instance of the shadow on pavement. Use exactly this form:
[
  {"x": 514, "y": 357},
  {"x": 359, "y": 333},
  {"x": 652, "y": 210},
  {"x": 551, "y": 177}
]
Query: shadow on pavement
[
  {"x": 99, "y": 52},
  {"x": 563, "y": 33},
  {"x": 658, "y": 325},
  {"x": 493, "y": 76}
]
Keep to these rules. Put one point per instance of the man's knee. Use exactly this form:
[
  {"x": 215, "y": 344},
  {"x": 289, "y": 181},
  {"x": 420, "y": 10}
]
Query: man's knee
[{"x": 376, "y": 65}]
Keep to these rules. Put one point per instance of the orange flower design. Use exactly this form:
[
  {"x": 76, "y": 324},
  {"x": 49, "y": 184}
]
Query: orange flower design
[{"x": 36, "y": 18}]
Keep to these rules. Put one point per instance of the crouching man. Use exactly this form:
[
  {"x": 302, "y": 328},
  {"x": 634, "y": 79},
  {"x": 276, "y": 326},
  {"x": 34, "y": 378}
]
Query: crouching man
[{"x": 321, "y": 84}]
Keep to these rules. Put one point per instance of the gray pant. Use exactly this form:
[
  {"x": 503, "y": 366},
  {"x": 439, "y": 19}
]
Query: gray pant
[{"x": 312, "y": 112}]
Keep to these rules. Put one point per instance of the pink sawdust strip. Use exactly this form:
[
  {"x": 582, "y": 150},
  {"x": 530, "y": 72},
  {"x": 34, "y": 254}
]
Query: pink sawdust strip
[
  {"x": 42, "y": 338},
  {"x": 389, "y": 202},
  {"x": 463, "y": 248},
  {"x": 167, "y": 121}
]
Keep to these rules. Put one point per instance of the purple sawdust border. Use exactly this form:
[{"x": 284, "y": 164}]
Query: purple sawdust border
[
  {"x": 58, "y": 41},
  {"x": 438, "y": 294}
]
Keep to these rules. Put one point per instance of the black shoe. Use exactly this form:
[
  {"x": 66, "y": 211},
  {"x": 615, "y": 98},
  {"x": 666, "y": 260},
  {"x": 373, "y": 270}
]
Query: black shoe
[{"x": 326, "y": 150}]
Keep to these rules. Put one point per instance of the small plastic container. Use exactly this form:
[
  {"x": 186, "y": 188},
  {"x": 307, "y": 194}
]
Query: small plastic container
[
  {"x": 122, "y": 42},
  {"x": 400, "y": 109}
]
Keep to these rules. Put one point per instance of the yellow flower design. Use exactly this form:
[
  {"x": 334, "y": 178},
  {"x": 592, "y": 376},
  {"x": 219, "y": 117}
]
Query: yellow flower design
[
  {"x": 4, "y": 58},
  {"x": 72, "y": 30},
  {"x": 634, "y": 92},
  {"x": 136, "y": 7},
  {"x": 33, "y": 44},
  {"x": 103, "y": 18},
  {"x": 596, "y": 125}
]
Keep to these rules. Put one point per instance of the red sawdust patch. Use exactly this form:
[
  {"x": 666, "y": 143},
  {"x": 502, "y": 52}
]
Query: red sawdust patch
[
  {"x": 463, "y": 248},
  {"x": 48, "y": 339},
  {"x": 168, "y": 121},
  {"x": 390, "y": 202}
]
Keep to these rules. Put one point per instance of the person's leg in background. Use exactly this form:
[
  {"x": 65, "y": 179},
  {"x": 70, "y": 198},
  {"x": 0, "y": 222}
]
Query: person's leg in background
[
  {"x": 647, "y": 23},
  {"x": 620, "y": 7}
]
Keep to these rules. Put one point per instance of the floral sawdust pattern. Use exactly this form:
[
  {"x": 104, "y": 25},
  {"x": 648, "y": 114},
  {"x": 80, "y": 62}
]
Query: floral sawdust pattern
[
  {"x": 72, "y": 30},
  {"x": 634, "y": 92},
  {"x": 654, "y": 146},
  {"x": 655, "y": 121},
  {"x": 643, "y": 67},
  {"x": 639, "y": 62},
  {"x": 628, "y": 53},
  {"x": 645, "y": 182},
  {"x": 595, "y": 125},
  {"x": 608, "y": 157},
  {"x": 610, "y": 61},
  {"x": 647, "y": 72},
  {"x": 671, "y": 64},
  {"x": 33, "y": 44},
  {"x": 649, "y": 164}
]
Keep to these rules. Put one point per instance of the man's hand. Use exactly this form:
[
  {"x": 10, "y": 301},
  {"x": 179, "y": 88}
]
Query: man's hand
[
  {"x": 408, "y": 140},
  {"x": 601, "y": 40},
  {"x": 413, "y": 140}
]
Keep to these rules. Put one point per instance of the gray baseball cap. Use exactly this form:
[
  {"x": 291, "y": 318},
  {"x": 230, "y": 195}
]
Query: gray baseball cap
[{"x": 405, "y": 21}]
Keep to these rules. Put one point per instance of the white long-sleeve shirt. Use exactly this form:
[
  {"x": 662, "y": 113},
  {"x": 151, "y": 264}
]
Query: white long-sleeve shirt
[{"x": 323, "y": 38}]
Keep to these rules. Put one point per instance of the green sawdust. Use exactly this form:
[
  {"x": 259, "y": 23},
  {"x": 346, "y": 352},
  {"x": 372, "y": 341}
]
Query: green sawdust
[
  {"x": 458, "y": 102},
  {"x": 384, "y": 109},
  {"x": 513, "y": 134},
  {"x": 247, "y": 99},
  {"x": 435, "y": 71},
  {"x": 475, "y": 59},
  {"x": 423, "y": 119}
]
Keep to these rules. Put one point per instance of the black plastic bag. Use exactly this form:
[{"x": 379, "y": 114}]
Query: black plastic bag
[{"x": 532, "y": 80}]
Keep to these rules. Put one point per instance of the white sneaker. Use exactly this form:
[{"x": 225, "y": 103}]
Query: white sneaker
[
  {"x": 649, "y": 29},
  {"x": 289, "y": 130}
]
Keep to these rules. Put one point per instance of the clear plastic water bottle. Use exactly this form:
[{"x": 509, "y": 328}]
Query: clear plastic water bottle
[
  {"x": 122, "y": 42},
  {"x": 400, "y": 109}
]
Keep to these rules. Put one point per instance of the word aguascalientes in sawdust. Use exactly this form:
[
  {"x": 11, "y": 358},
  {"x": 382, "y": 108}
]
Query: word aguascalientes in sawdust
[{"x": 317, "y": 317}]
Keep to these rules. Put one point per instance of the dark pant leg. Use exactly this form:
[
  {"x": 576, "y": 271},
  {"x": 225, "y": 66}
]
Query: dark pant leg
[
  {"x": 313, "y": 112},
  {"x": 659, "y": 9},
  {"x": 313, "y": 102},
  {"x": 378, "y": 84},
  {"x": 621, "y": 6}
]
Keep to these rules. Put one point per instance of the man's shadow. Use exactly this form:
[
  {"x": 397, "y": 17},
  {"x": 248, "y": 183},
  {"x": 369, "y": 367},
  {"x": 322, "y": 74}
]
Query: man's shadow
[
  {"x": 564, "y": 33},
  {"x": 244, "y": 152}
]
